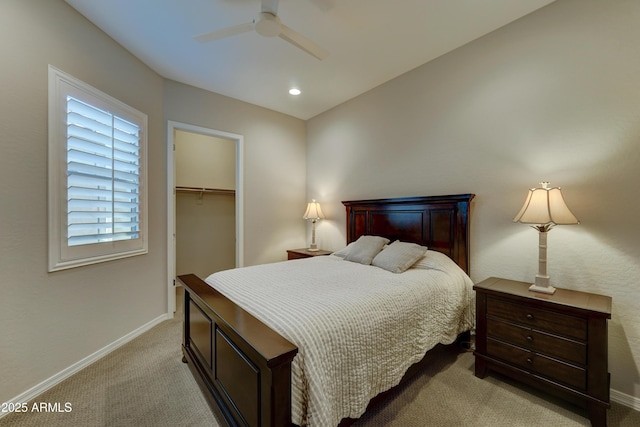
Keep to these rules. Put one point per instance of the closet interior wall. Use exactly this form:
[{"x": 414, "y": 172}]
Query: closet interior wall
[{"x": 205, "y": 203}]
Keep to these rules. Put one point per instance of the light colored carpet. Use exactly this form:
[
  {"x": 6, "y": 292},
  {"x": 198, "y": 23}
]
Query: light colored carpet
[
  {"x": 142, "y": 383},
  {"x": 145, "y": 383},
  {"x": 446, "y": 394}
]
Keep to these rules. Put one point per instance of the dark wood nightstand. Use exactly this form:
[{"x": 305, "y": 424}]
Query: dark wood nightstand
[
  {"x": 305, "y": 253},
  {"x": 557, "y": 343}
]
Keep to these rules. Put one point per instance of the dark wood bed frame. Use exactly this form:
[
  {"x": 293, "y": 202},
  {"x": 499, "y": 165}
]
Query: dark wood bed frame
[{"x": 243, "y": 367}]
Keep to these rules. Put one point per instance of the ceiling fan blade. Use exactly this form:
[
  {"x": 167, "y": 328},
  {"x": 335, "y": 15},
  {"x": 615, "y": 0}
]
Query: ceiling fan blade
[
  {"x": 270, "y": 6},
  {"x": 225, "y": 32},
  {"x": 302, "y": 42}
]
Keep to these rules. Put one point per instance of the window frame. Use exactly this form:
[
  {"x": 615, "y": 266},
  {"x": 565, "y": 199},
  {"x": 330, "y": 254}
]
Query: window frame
[{"x": 61, "y": 255}]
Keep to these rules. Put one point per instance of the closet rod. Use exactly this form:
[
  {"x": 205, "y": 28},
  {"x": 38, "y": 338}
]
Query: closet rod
[{"x": 205, "y": 190}]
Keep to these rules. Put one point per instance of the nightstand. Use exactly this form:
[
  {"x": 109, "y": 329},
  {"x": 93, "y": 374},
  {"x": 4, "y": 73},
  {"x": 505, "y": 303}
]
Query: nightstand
[
  {"x": 557, "y": 342},
  {"x": 305, "y": 253}
]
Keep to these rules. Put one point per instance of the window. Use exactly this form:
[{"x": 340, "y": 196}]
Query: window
[{"x": 97, "y": 175}]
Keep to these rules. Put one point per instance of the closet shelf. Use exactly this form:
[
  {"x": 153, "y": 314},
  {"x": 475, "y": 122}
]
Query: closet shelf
[{"x": 202, "y": 190}]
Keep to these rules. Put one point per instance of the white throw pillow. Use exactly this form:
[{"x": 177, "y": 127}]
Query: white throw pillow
[
  {"x": 365, "y": 249},
  {"x": 399, "y": 256},
  {"x": 344, "y": 251}
]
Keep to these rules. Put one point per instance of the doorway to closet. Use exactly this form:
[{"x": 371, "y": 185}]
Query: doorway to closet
[{"x": 205, "y": 202}]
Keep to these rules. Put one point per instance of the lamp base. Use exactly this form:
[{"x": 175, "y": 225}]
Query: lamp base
[
  {"x": 313, "y": 249},
  {"x": 542, "y": 289}
]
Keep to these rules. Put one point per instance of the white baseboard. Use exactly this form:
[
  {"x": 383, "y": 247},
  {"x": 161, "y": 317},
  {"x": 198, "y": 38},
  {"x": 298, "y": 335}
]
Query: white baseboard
[
  {"x": 45, "y": 385},
  {"x": 625, "y": 399}
]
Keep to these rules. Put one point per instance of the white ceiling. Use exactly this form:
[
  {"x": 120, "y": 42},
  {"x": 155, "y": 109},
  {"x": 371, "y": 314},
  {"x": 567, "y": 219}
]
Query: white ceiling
[{"x": 369, "y": 43}]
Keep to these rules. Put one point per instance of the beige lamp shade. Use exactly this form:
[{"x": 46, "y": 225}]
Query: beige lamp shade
[
  {"x": 313, "y": 211},
  {"x": 545, "y": 206}
]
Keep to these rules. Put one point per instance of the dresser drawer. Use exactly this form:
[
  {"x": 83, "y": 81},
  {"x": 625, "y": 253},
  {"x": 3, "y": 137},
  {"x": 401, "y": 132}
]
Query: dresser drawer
[
  {"x": 549, "y": 321},
  {"x": 540, "y": 342},
  {"x": 553, "y": 369}
]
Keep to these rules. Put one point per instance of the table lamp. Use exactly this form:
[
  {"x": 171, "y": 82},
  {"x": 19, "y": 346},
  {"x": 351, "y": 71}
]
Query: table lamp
[
  {"x": 313, "y": 214},
  {"x": 546, "y": 207}
]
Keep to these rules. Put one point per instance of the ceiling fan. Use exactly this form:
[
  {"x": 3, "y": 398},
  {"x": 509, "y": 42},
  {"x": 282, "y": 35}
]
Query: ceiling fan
[{"x": 267, "y": 24}]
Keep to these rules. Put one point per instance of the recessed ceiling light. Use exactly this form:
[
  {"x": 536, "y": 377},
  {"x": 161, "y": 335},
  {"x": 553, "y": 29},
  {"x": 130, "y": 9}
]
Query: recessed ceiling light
[{"x": 294, "y": 91}]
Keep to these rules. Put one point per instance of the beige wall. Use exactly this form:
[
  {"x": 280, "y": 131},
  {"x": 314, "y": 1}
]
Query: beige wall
[
  {"x": 204, "y": 161},
  {"x": 554, "y": 96},
  {"x": 49, "y": 321},
  {"x": 205, "y": 233},
  {"x": 274, "y": 165}
]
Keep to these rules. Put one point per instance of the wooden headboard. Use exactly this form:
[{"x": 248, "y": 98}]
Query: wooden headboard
[{"x": 439, "y": 222}]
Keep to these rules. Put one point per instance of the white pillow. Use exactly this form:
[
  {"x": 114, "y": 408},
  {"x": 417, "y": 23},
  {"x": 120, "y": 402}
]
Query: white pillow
[
  {"x": 344, "y": 251},
  {"x": 434, "y": 260},
  {"x": 399, "y": 256},
  {"x": 365, "y": 249}
]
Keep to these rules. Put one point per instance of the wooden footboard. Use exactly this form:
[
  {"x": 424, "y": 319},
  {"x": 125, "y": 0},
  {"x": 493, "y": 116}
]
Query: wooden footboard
[{"x": 242, "y": 366}]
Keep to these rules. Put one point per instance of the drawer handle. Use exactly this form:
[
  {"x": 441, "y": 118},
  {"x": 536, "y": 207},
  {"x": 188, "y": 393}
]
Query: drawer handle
[
  {"x": 529, "y": 338},
  {"x": 529, "y": 316},
  {"x": 529, "y": 360}
]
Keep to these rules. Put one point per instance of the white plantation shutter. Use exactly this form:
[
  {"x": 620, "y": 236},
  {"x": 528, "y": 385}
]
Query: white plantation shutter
[
  {"x": 97, "y": 172},
  {"x": 103, "y": 171}
]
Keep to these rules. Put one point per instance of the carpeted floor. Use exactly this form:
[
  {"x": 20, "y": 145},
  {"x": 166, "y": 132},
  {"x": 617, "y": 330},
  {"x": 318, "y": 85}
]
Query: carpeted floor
[
  {"x": 447, "y": 394},
  {"x": 145, "y": 383}
]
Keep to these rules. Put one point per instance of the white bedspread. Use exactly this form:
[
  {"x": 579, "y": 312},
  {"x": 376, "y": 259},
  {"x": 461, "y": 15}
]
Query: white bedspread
[{"x": 358, "y": 328}]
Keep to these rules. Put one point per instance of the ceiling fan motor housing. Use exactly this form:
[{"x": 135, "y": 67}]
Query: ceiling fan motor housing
[{"x": 267, "y": 25}]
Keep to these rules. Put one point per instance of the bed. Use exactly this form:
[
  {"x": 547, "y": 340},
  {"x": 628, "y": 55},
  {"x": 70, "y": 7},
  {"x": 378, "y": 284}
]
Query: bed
[{"x": 253, "y": 374}]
